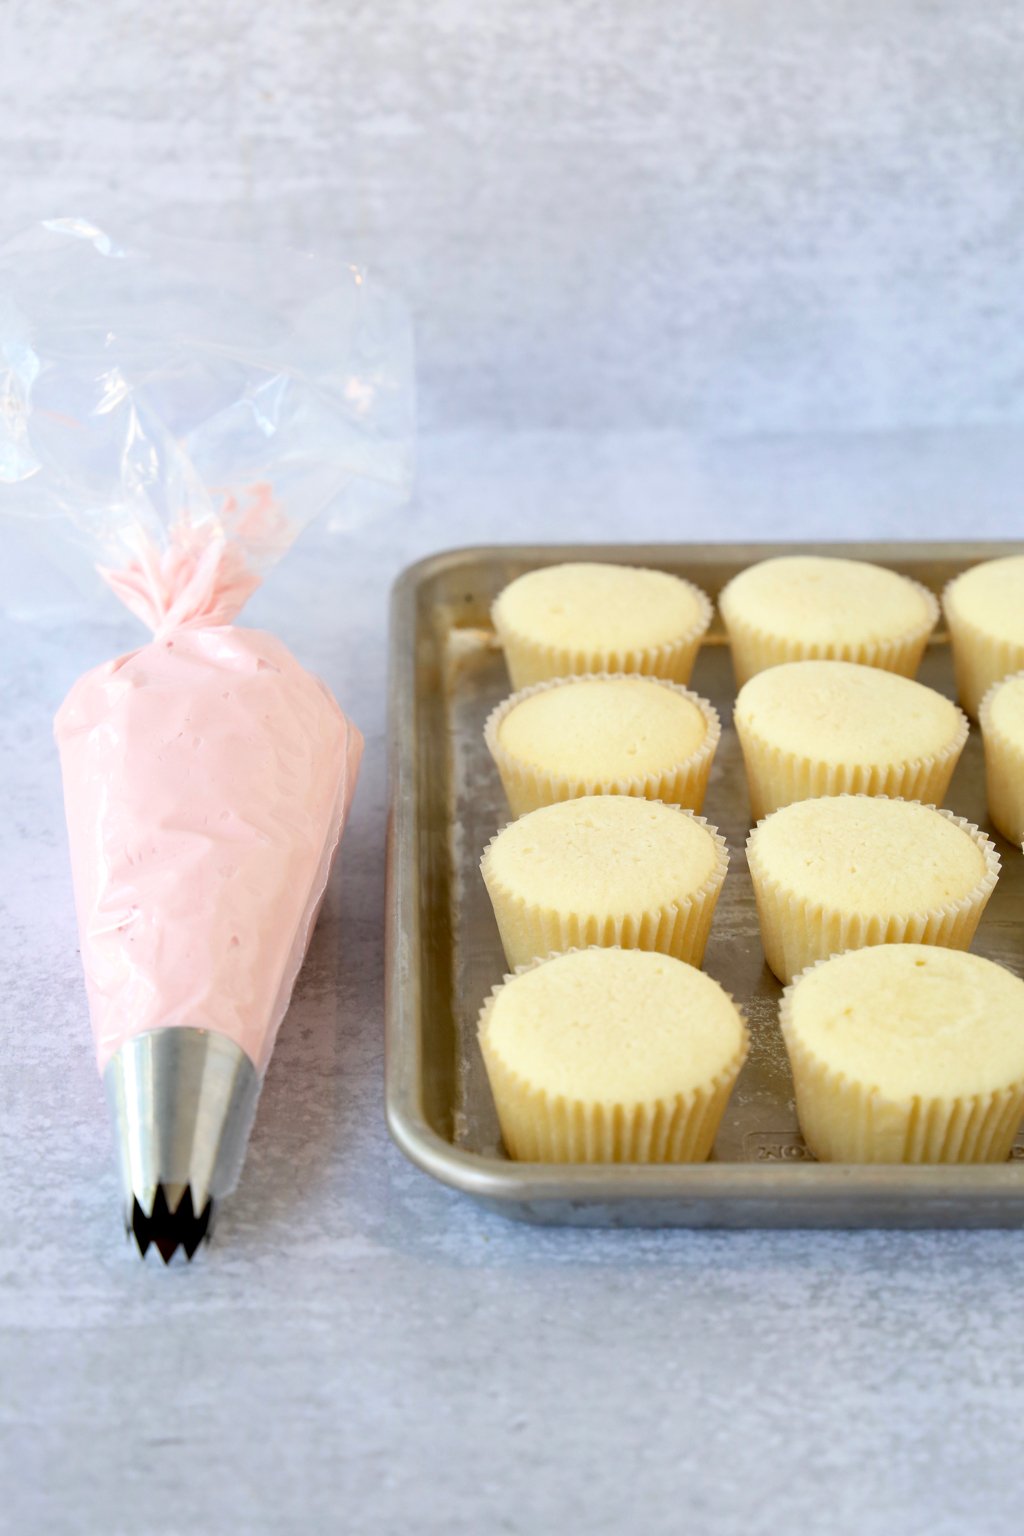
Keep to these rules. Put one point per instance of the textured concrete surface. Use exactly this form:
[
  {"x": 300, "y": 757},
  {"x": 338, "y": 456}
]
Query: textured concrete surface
[
  {"x": 656, "y": 214},
  {"x": 361, "y": 1350}
]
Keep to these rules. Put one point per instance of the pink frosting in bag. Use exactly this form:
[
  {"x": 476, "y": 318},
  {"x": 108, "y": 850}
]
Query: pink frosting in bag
[{"x": 207, "y": 777}]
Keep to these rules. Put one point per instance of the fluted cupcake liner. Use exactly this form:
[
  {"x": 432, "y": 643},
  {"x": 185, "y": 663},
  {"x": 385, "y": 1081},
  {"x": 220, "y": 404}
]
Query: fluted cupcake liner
[
  {"x": 1004, "y": 770},
  {"x": 846, "y": 1121},
  {"x": 754, "y": 649},
  {"x": 529, "y": 661},
  {"x": 539, "y": 1127},
  {"x": 795, "y": 933},
  {"x": 979, "y": 659},
  {"x": 776, "y": 777},
  {"x": 528, "y": 787},
  {"x": 679, "y": 928}
]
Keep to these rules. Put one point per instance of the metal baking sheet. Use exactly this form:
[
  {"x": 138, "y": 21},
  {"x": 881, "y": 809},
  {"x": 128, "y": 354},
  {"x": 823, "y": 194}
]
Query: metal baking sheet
[{"x": 444, "y": 955}]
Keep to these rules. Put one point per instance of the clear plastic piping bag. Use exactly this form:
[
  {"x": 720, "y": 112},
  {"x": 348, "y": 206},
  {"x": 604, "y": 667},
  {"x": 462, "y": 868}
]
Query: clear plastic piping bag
[{"x": 184, "y": 411}]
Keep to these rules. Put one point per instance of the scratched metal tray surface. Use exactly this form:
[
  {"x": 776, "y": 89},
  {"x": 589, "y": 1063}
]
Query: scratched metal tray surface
[{"x": 444, "y": 955}]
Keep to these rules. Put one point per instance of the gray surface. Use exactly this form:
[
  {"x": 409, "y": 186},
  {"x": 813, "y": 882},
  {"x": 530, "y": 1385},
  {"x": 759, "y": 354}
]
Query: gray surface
[
  {"x": 361, "y": 1350},
  {"x": 606, "y": 213}
]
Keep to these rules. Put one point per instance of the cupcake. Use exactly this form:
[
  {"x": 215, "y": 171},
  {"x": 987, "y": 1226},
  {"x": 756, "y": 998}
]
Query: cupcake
[
  {"x": 803, "y": 607},
  {"x": 853, "y": 870},
  {"x": 985, "y": 612},
  {"x": 569, "y": 619},
  {"x": 603, "y": 736},
  {"x": 907, "y": 1054},
  {"x": 605, "y": 869},
  {"x": 611, "y": 1056},
  {"x": 1002, "y": 731},
  {"x": 810, "y": 728}
]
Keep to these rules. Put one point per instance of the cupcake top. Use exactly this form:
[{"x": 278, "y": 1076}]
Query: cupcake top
[
  {"x": 866, "y": 854},
  {"x": 617, "y": 1026},
  {"x": 839, "y": 712},
  {"x": 911, "y": 1019},
  {"x": 815, "y": 600},
  {"x": 991, "y": 597},
  {"x": 608, "y": 853},
  {"x": 1003, "y": 709},
  {"x": 600, "y": 607},
  {"x": 605, "y": 728}
]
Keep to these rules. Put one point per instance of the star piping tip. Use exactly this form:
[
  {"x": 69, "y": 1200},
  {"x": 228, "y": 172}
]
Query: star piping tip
[{"x": 168, "y": 1229}]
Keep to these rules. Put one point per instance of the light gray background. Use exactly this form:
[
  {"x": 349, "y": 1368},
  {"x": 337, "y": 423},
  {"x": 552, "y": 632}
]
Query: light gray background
[
  {"x": 679, "y": 271},
  {"x": 605, "y": 213}
]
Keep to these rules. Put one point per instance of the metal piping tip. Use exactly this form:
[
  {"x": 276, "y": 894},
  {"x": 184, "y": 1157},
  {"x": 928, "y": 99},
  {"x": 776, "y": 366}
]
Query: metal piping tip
[
  {"x": 169, "y": 1226},
  {"x": 183, "y": 1102}
]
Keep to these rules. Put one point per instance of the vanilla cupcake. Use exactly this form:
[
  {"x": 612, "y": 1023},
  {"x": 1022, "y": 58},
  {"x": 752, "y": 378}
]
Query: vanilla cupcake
[
  {"x": 810, "y": 728},
  {"x": 985, "y": 612},
  {"x": 1002, "y": 731},
  {"x": 603, "y": 736},
  {"x": 849, "y": 871},
  {"x": 569, "y": 619},
  {"x": 907, "y": 1054},
  {"x": 605, "y": 869},
  {"x": 611, "y": 1056},
  {"x": 804, "y": 607}
]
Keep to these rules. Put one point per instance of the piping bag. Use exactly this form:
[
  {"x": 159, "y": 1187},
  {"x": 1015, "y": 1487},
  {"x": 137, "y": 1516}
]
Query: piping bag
[{"x": 186, "y": 411}]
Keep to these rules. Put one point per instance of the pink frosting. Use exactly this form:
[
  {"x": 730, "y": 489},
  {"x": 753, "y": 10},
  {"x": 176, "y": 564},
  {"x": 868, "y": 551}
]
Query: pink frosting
[
  {"x": 203, "y": 574},
  {"x": 206, "y": 781}
]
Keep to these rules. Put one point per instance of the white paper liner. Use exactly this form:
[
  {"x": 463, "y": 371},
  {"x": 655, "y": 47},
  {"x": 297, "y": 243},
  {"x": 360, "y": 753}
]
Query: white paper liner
[
  {"x": 843, "y": 1120},
  {"x": 529, "y": 930},
  {"x": 777, "y": 777},
  {"x": 979, "y": 659},
  {"x": 1004, "y": 769},
  {"x": 531, "y": 661},
  {"x": 540, "y": 1127},
  {"x": 528, "y": 787},
  {"x": 796, "y": 933},
  {"x": 754, "y": 648}
]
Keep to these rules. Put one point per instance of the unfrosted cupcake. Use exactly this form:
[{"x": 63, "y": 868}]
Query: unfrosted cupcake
[
  {"x": 984, "y": 609},
  {"x": 1002, "y": 730},
  {"x": 611, "y": 1056},
  {"x": 807, "y": 607},
  {"x": 605, "y": 869},
  {"x": 571, "y": 619},
  {"x": 603, "y": 736},
  {"x": 810, "y": 728},
  {"x": 907, "y": 1054},
  {"x": 854, "y": 870}
]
